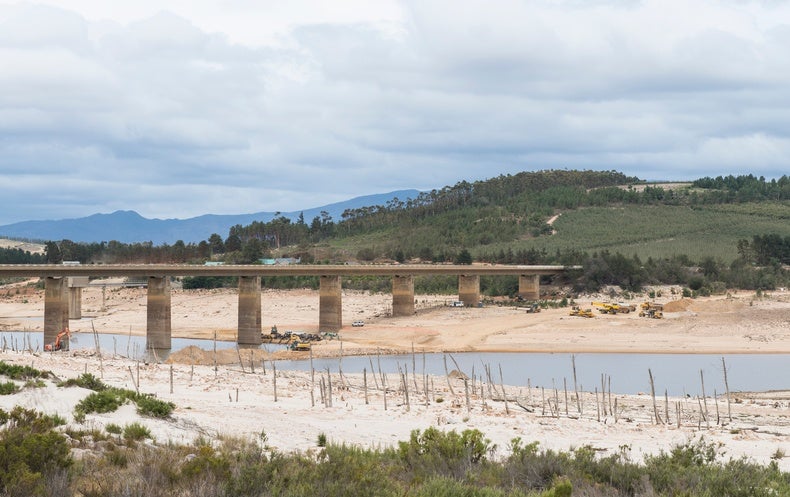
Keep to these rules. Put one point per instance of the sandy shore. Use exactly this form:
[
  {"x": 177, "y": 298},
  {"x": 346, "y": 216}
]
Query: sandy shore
[
  {"x": 229, "y": 401},
  {"x": 737, "y": 323}
]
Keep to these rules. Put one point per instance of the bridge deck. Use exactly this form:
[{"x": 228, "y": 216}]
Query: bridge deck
[{"x": 142, "y": 270}]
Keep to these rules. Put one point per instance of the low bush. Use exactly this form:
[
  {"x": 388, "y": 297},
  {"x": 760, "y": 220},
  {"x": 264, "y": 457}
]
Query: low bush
[
  {"x": 16, "y": 372},
  {"x": 443, "y": 453},
  {"x": 155, "y": 408},
  {"x": 86, "y": 380},
  {"x": 101, "y": 402},
  {"x": 30, "y": 449},
  {"x": 135, "y": 432},
  {"x": 8, "y": 388},
  {"x": 113, "y": 429}
]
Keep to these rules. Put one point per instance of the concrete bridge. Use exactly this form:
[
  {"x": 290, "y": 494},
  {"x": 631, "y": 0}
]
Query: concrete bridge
[{"x": 64, "y": 283}]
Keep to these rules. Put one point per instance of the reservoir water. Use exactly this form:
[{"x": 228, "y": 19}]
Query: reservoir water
[{"x": 678, "y": 374}]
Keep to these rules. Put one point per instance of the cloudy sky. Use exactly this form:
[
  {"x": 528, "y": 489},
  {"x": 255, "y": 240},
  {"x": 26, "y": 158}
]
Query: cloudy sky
[{"x": 177, "y": 108}]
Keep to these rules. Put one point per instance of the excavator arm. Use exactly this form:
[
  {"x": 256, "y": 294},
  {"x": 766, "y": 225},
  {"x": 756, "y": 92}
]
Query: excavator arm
[{"x": 57, "y": 344}]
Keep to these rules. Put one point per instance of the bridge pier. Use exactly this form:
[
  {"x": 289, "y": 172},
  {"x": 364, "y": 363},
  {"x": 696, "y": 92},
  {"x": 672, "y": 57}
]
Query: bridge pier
[
  {"x": 56, "y": 309},
  {"x": 75, "y": 285},
  {"x": 249, "y": 332},
  {"x": 529, "y": 286},
  {"x": 469, "y": 289},
  {"x": 158, "y": 334},
  {"x": 330, "y": 306},
  {"x": 402, "y": 295}
]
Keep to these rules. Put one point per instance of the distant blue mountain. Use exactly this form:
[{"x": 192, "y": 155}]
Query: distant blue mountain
[{"x": 130, "y": 227}]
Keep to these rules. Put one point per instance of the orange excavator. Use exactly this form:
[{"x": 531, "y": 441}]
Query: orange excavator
[{"x": 58, "y": 343}]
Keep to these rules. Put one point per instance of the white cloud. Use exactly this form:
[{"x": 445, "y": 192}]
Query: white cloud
[{"x": 178, "y": 108}]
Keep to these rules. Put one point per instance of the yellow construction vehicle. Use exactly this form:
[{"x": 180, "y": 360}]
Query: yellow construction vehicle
[
  {"x": 652, "y": 310},
  {"x": 605, "y": 307},
  {"x": 300, "y": 345},
  {"x": 582, "y": 313},
  {"x": 612, "y": 308}
]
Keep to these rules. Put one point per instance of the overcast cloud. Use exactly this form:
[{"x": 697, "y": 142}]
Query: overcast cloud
[{"x": 237, "y": 106}]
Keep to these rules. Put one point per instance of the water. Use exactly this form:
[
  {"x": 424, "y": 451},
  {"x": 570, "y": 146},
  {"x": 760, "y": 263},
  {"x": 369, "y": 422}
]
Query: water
[
  {"x": 125, "y": 345},
  {"x": 678, "y": 374}
]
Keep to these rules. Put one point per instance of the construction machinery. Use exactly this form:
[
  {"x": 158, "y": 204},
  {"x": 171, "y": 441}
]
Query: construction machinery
[
  {"x": 605, "y": 307},
  {"x": 58, "y": 343},
  {"x": 612, "y": 308},
  {"x": 299, "y": 345},
  {"x": 652, "y": 310},
  {"x": 582, "y": 313}
]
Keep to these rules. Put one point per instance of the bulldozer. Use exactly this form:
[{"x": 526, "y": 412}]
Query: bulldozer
[
  {"x": 58, "y": 343},
  {"x": 582, "y": 313}
]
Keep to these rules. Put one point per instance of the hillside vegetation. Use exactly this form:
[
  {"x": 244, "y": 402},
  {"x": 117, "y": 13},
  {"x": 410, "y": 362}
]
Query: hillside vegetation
[
  {"x": 726, "y": 231},
  {"x": 660, "y": 231}
]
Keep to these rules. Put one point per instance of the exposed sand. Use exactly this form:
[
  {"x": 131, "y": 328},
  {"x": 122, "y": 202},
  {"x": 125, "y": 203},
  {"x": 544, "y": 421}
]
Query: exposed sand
[
  {"x": 207, "y": 399},
  {"x": 736, "y": 323}
]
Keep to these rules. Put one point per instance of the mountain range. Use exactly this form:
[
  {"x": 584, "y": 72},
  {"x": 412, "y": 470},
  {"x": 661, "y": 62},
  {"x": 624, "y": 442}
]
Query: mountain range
[{"x": 131, "y": 227}]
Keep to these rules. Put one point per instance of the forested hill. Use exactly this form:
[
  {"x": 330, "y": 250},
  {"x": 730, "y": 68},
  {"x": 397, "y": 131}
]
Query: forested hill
[
  {"x": 622, "y": 229},
  {"x": 599, "y": 210}
]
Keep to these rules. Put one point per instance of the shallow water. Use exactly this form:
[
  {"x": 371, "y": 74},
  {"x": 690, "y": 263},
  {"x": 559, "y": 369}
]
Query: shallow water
[{"x": 678, "y": 374}]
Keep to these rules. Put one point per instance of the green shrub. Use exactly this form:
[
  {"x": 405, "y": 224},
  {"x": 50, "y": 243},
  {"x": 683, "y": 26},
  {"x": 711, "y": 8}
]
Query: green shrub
[
  {"x": 16, "y": 372},
  {"x": 562, "y": 488},
  {"x": 321, "y": 439},
  {"x": 79, "y": 416},
  {"x": 135, "y": 432},
  {"x": 30, "y": 448},
  {"x": 444, "y": 453},
  {"x": 207, "y": 460},
  {"x": 8, "y": 388},
  {"x": 57, "y": 420},
  {"x": 155, "y": 408},
  {"x": 113, "y": 429},
  {"x": 86, "y": 380},
  {"x": 101, "y": 402}
]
